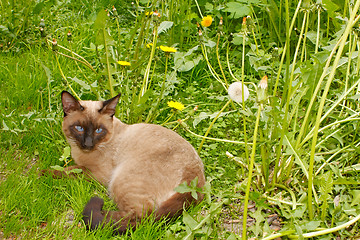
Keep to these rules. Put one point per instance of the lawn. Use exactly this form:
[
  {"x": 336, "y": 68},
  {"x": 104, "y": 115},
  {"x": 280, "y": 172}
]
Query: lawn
[{"x": 266, "y": 91}]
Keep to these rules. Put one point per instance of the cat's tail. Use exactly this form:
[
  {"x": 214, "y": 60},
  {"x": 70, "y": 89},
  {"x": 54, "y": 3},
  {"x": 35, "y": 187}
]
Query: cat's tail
[{"x": 94, "y": 217}]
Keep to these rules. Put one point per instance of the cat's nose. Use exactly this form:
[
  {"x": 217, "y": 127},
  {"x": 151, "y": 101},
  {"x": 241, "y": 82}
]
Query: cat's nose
[{"x": 89, "y": 143}]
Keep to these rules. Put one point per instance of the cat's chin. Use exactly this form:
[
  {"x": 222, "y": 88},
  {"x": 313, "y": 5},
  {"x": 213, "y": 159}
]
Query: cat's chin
[{"x": 86, "y": 150}]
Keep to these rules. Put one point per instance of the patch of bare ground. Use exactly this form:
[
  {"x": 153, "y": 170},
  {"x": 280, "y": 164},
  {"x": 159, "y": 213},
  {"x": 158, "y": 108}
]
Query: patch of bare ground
[{"x": 232, "y": 217}]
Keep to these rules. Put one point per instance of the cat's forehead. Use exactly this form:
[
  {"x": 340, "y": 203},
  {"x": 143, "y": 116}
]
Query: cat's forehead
[{"x": 92, "y": 107}]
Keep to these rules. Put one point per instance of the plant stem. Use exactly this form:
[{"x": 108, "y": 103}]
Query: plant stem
[
  {"x": 149, "y": 117},
  {"x": 83, "y": 60},
  {"x": 303, "y": 52},
  {"x": 63, "y": 76},
  {"x": 168, "y": 119},
  {"x": 218, "y": 58},
  {"x": 211, "y": 124},
  {"x": 210, "y": 138},
  {"x": 112, "y": 94},
  {"x": 197, "y": 5},
  {"x": 148, "y": 67},
  {"x": 243, "y": 61},
  {"x": 285, "y": 53},
  {"x": 212, "y": 71},
  {"x": 278, "y": 235},
  {"x": 318, "y": 29},
  {"x": 352, "y": 46},
  {"x": 251, "y": 166},
  {"x": 242, "y": 97},
  {"x": 329, "y": 230}
]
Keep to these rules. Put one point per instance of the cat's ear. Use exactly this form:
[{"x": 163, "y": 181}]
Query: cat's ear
[
  {"x": 109, "y": 106},
  {"x": 70, "y": 103}
]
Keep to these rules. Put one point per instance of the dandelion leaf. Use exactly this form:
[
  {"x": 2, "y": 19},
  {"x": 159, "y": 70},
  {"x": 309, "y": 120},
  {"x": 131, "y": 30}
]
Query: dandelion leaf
[
  {"x": 356, "y": 197},
  {"x": 185, "y": 61},
  {"x": 100, "y": 20},
  {"x": 325, "y": 188},
  {"x": 311, "y": 225},
  {"x": 81, "y": 83},
  {"x": 237, "y": 10},
  {"x": 165, "y": 26},
  {"x": 331, "y": 7},
  {"x": 57, "y": 167}
]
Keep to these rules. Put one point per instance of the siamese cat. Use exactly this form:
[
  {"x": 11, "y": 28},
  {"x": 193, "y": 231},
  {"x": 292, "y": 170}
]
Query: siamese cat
[{"x": 140, "y": 164}]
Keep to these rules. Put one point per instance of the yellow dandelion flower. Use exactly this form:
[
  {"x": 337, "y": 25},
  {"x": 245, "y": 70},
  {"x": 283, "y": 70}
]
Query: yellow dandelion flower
[
  {"x": 206, "y": 21},
  {"x": 149, "y": 45},
  {"x": 176, "y": 105},
  {"x": 168, "y": 49},
  {"x": 123, "y": 63}
]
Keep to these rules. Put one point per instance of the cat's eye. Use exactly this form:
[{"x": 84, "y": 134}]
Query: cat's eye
[
  {"x": 79, "y": 128},
  {"x": 99, "y": 130}
]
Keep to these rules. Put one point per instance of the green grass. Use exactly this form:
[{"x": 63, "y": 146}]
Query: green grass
[{"x": 285, "y": 152}]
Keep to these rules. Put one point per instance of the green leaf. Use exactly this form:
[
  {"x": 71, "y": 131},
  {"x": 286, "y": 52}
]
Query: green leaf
[
  {"x": 145, "y": 97},
  {"x": 347, "y": 181},
  {"x": 330, "y": 7},
  {"x": 237, "y": 10},
  {"x": 356, "y": 197},
  {"x": 185, "y": 61},
  {"x": 299, "y": 212},
  {"x": 47, "y": 72},
  {"x": 325, "y": 188},
  {"x": 76, "y": 170},
  {"x": 194, "y": 182},
  {"x": 103, "y": 37},
  {"x": 57, "y": 167},
  {"x": 183, "y": 188},
  {"x": 325, "y": 185},
  {"x": 5, "y": 127},
  {"x": 38, "y": 7},
  {"x": 232, "y": 237},
  {"x": 194, "y": 195},
  {"x": 258, "y": 215},
  {"x": 189, "y": 221},
  {"x": 192, "y": 188},
  {"x": 100, "y": 21},
  {"x": 299, "y": 232},
  {"x": 66, "y": 153},
  {"x": 291, "y": 149},
  {"x": 81, "y": 83},
  {"x": 204, "y": 115},
  {"x": 165, "y": 26},
  {"x": 311, "y": 226}
]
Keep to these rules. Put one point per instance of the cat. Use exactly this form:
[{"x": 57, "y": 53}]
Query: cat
[{"x": 140, "y": 164}]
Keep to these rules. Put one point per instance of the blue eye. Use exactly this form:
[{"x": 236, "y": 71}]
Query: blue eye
[
  {"x": 99, "y": 130},
  {"x": 79, "y": 128}
]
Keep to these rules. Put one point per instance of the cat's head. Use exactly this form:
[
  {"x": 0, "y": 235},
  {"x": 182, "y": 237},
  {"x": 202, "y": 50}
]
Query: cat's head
[{"x": 88, "y": 123}]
